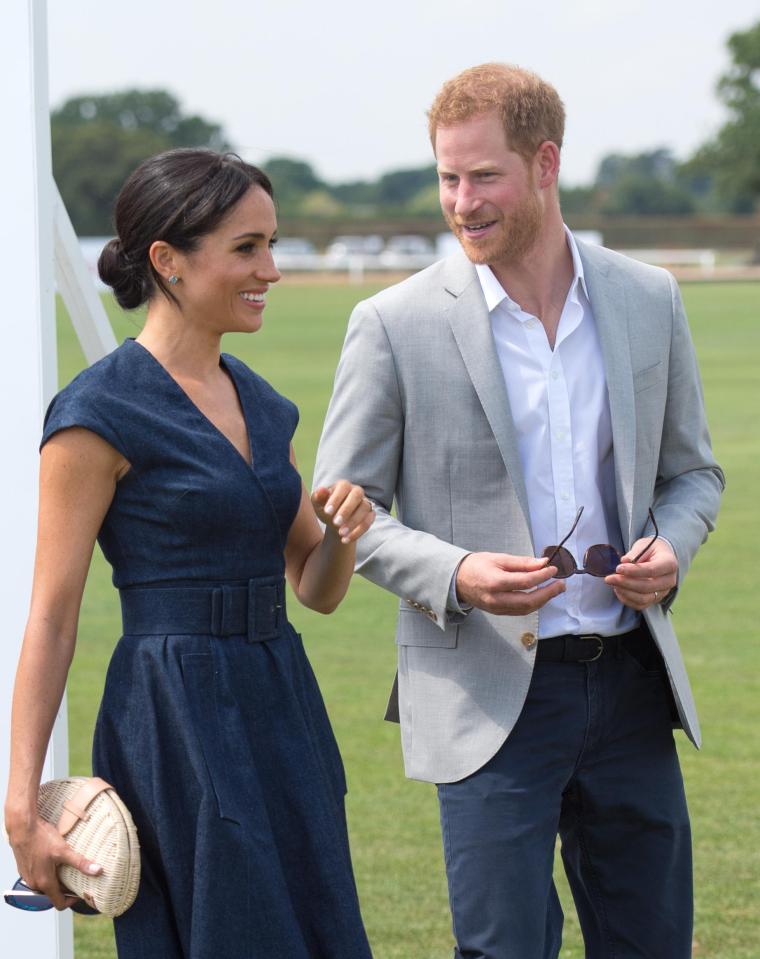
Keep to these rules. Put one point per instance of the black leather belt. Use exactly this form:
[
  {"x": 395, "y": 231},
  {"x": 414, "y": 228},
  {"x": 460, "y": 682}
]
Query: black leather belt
[
  {"x": 589, "y": 647},
  {"x": 255, "y": 609}
]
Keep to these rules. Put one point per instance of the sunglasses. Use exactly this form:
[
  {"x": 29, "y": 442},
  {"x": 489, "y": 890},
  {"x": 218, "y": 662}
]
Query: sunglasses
[
  {"x": 22, "y": 897},
  {"x": 600, "y": 560}
]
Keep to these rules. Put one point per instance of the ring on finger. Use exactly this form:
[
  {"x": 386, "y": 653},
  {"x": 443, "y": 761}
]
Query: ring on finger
[
  {"x": 656, "y": 595},
  {"x": 369, "y": 503}
]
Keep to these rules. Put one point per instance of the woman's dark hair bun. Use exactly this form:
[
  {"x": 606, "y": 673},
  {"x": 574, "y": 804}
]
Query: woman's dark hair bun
[
  {"x": 126, "y": 278},
  {"x": 178, "y": 197}
]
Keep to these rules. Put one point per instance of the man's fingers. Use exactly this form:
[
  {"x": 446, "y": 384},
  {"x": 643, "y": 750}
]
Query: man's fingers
[
  {"x": 641, "y": 585},
  {"x": 516, "y": 603},
  {"x": 519, "y": 564},
  {"x": 644, "y": 570},
  {"x": 638, "y": 601},
  {"x": 510, "y": 581}
]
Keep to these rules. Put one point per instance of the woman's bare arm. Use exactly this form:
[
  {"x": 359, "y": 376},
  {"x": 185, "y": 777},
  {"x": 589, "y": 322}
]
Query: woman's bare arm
[
  {"x": 319, "y": 564},
  {"x": 78, "y": 475}
]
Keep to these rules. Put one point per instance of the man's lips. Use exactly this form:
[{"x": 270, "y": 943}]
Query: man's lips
[{"x": 476, "y": 229}]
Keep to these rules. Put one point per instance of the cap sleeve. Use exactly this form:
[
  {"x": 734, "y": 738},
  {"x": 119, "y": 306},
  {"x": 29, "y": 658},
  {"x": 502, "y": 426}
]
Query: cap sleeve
[
  {"x": 290, "y": 415},
  {"x": 86, "y": 408}
]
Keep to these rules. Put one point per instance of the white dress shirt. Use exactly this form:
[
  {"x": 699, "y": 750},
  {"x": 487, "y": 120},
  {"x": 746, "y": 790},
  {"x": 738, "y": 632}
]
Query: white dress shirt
[{"x": 560, "y": 408}]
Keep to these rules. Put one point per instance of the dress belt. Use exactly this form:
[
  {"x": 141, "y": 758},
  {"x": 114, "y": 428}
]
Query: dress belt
[
  {"x": 590, "y": 646},
  {"x": 255, "y": 609}
]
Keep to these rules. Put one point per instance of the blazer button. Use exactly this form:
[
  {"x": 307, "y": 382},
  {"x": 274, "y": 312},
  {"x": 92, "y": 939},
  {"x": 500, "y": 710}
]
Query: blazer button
[{"x": 528, "y": 640}]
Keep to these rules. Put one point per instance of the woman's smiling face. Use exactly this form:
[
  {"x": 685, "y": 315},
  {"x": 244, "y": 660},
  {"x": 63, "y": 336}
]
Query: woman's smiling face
[{"x": 224, "y": 281}]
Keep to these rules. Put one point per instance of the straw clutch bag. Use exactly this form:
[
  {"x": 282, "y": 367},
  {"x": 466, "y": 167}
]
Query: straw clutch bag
[{"x": 96, "y": 823}]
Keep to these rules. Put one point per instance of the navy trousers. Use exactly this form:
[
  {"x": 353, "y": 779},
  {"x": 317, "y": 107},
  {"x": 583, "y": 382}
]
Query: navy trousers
[{"x": 591, "y": 759}]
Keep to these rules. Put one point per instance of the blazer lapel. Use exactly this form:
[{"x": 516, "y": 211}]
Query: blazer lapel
[
  {"x": 611, "y": 311},
  {"x": 471, "y": 326}
]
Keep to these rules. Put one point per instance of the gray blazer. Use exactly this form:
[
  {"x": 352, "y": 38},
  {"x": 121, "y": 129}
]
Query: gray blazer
[{"x": 420, "y": 415}]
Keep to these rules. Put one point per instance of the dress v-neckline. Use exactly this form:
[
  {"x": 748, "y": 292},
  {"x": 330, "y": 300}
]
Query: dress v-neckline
[{"x": 249, "y": 464}]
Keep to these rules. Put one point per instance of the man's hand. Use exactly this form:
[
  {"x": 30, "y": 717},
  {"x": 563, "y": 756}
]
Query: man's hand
[
  {"x": 497, "y": 583},
  {"x": 649, "y": 581}
]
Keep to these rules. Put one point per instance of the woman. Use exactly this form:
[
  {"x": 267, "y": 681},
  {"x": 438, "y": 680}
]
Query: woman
[{"x": 212, "y": 729}]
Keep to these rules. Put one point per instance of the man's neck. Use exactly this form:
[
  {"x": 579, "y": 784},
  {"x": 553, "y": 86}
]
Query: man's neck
[{"x": 540, "y": 280}]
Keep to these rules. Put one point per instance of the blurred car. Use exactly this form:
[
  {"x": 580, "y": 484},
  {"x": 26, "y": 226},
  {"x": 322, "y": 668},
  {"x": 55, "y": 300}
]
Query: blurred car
[
  {"x": 407, "y": 251},
  {"x": 344, "y": 247},
  {"x": 295, "y": 253},
  {"x": 294, "y": 244}
]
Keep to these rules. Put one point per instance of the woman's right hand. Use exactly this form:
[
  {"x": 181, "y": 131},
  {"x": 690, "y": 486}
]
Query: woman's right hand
[{"x": 39, "y": 850}]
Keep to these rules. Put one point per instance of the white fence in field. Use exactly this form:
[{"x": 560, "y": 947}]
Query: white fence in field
[
  {"x": 704, "y": 259},
  {"x": 356, "y": 263}
]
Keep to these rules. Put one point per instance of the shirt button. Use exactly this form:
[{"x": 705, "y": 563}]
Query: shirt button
[
  {"x": 528, "y": 640},
  {"x": 555, "y": 375},
  {"x": 565, "y": 496},
  {"x": 531, "y": 324},
  {"x": 560, "y": 435}
]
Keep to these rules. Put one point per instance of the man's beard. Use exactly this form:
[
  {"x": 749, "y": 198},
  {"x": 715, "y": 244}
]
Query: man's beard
[{"x": 515, "y": 234}]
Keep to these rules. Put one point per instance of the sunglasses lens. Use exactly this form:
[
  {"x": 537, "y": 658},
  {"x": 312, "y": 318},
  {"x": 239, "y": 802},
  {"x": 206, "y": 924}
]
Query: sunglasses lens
[
  {"x": 29, "y": 903},
  {"x": 562, "y": 559},
  {"x": 601, "y": 560}
]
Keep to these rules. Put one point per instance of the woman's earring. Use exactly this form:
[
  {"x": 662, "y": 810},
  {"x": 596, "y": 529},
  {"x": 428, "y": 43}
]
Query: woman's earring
[{"x": 173, "y": 279}]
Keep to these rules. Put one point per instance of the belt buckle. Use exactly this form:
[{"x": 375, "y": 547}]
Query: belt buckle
[
  {"x": 600, "y": 650},
  {"x": 265, "y": 603}
]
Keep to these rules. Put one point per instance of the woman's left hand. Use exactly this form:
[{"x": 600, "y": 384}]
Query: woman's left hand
[{"x": 344, "y": 509}]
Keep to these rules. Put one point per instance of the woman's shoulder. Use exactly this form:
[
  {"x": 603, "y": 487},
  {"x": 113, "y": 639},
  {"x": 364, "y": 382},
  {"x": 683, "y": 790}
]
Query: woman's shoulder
[
  {"x": 88, "y": 400},
  {"x": 107, "y": 374}
]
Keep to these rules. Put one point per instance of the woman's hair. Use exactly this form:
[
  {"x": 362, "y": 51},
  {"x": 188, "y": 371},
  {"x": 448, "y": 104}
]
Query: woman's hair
[{"x": 178, "y": 197}]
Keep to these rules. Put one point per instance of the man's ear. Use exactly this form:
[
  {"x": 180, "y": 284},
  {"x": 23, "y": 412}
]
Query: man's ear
[{"x": 546, "y": 163}]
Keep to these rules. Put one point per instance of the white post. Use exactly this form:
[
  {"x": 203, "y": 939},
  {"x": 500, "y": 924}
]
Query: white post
[
  {"x": 77, "y": 290},
  {"x": 27, "y": 381}
]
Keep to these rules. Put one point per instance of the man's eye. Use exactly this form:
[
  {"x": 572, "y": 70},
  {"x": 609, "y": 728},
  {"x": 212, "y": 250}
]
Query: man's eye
[{"x": 245, "y": 247}]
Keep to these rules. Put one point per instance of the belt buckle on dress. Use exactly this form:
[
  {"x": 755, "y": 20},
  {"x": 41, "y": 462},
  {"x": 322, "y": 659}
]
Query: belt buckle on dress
[
  {"x": 600, "y": 649},
  {"x": 264, "y": 610}
]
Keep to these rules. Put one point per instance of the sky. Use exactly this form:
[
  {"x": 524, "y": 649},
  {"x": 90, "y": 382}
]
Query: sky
[{"x": 345, "y": 85}]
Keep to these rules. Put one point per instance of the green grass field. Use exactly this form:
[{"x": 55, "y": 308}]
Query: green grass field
[{"x": 393, "y": 821}]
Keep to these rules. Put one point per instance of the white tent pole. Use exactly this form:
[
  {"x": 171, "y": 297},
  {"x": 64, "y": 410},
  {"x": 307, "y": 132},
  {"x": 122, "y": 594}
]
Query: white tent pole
[
  {"x": 27, "y": 382},
  {"x": 35, "y": 233},
  {"x": 77, "y": 289}
]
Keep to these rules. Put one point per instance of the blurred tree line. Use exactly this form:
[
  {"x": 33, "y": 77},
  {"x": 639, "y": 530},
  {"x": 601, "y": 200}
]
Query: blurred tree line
[{"x": 98, "y": 140}]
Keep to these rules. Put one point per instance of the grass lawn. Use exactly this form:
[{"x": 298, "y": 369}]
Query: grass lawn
[{"x": 393, "y": 821}]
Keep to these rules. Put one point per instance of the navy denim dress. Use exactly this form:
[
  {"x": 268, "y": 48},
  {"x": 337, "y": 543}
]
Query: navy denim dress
[{"x": 212, "y": 728}]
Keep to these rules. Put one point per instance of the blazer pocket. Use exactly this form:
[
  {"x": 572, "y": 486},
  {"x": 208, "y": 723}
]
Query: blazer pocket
[
  {"x": 415, "y": 629},
  {"x": 647, "y": 377}
]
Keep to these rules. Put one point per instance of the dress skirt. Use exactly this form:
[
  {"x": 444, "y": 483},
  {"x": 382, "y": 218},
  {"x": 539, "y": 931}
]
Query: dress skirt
[{"x": 223, "y": 752}]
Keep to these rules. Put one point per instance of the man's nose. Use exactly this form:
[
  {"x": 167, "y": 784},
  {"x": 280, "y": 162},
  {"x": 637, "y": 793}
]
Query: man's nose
[{"x": 467, "y": 201}]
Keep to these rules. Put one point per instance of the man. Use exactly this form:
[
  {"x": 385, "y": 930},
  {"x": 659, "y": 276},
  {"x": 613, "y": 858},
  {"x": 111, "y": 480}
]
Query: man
[{"x": 532, "y": 388}]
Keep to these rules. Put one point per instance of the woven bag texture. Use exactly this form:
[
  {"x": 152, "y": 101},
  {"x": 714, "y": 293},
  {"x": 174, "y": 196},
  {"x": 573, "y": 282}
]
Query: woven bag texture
[{"x": 107, "y": 836}]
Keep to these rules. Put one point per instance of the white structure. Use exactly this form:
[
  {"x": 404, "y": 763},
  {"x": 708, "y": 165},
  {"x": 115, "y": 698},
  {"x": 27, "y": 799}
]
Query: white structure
[{"x": 33, "y": 227}]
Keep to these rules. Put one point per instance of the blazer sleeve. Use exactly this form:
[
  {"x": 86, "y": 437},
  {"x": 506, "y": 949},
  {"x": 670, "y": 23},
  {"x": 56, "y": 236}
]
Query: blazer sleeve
[
  {"x": 689, "y": 481},
  {"x": 363, "y": 441}
]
